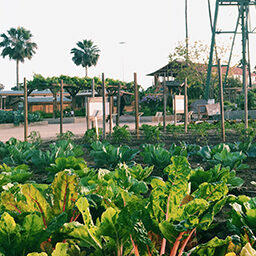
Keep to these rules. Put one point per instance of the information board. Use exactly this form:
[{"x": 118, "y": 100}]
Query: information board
[
  {"x": 95, "y": 104},
  {"x": 179, "y": 103}
]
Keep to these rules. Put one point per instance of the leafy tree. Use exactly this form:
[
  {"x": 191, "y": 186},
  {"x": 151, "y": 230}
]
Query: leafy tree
[
  {"x": 196, "y": 68},
  {"x": 87, "y": 54},
  {"x": 18, "y": 46},
  {"x": 1, "y": 87}
]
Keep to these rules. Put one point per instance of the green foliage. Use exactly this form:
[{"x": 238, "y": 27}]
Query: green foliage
[
  {"x": 242, "y": 220},
  {"x": 42, "y": 212},
  {"x": 86, "y": 55},
  {"x": 16, "y": 117},
  {"x": 151, "y": 133},
  {"x": 77, "y": 165},
  {"x": 68, "y": 135},
  {"x": 106, "y": 155},
  {"x": 90, "y": 135},
  {"x": 222, "y": 154},
  {"x": 155, "y": 155},
  {"x": 12, "y": 175},
  {"x": 121, "y": 134},
  {"x": 35, "y": 138},
  {"x": 215, "y": 174}
]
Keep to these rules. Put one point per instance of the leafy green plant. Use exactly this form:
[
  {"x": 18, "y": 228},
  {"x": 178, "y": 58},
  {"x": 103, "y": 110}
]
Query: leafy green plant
[
  {"x": 12, "y": 175},
  {"x": 222, "y": 154},
  {"x": 90, "y": 135},
  {"x": 151, "y": 132},
  {"x": 215, "y": 174},
  {"x": 106, "y": 155},
  {"x": 155, "y": 155},
  {"x": 33, "y": 214},
  {"x": 35, "y": 138},
  {"x": 77, "y": 165},
  {"x": 68, "y": 135},
  {"x": 121, "y": 135},
  {"x": 242, "y": 220}
]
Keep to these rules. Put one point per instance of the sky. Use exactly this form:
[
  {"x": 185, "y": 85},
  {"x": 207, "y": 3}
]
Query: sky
[{"x": 150, "y": 29}]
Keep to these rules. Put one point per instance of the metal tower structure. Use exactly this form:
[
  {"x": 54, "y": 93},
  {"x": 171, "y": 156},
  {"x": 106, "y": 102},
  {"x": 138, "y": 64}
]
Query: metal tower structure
[{"x": 241, "y": 27}]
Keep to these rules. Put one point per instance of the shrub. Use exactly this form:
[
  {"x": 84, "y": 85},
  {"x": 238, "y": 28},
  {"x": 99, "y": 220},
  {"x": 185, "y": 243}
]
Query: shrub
[{"x": 121, "y": 134}]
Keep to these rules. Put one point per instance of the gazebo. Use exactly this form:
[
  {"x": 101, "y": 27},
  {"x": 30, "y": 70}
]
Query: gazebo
[{"x": 169, "y": 73}]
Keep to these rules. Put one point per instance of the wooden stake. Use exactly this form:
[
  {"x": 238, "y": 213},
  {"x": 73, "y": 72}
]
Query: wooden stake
[
  {"x": 61, "y": 107},
  {"x": 25, "y": 110},
  {"x": 221, "y": 102},
  {"x": 110, "y": 114},
  {"x": 174, "y": 110},
  {"x": 104, "y": 105},
  {"x": 165, "y": 103},
  {"x": 136, "y": 96},
  {"x": 186, "y": 105},
  {"x": 88, "y": 113},
  {"x": 118, "y": 105},
  {"x": 93, "y": 85}
]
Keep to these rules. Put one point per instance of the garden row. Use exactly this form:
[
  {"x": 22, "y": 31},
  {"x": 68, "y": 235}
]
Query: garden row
[{"x": 162, "y": 206}]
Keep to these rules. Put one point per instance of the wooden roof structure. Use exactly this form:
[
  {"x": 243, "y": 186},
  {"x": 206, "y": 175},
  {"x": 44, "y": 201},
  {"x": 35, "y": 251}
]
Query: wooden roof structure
[{"x": 169, "y": 70}]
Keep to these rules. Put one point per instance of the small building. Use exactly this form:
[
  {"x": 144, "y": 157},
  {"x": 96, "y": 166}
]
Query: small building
[{"x": 37, "y": 100}]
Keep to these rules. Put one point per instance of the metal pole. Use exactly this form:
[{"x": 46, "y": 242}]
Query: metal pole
[
  {"x": 207, "y": 86},
  {"x": 118, "y": 105},
  {"x": 244, "y": 38},
  {"x": 104, "y": 105},
  {"x": 136, "y": 95},
  {"x": 61, "y": 107},
  {"x": 221, "y": 102},
  {"x": 165, "y": 103},
  {"x": 25, "y": 110},
  {"x": 186, "y": 105}
]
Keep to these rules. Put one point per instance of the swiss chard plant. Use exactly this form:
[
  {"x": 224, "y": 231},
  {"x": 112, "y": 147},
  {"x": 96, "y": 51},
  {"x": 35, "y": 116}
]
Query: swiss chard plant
[
  {"x": 13, "y": 175},
  {"x": 32, "y": 214}
]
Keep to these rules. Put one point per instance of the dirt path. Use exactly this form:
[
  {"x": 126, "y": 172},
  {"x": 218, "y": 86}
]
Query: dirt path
[{"x": 49, "y": 131}]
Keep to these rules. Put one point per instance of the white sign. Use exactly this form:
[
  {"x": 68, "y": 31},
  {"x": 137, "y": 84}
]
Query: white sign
[
  {"x": 95, "y": 104},
  {"x": 179, "y": 103}
]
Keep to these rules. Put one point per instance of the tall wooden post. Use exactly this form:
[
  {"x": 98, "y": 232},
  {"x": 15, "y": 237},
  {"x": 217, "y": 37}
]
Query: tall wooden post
[
  {"x": 61, "y": 107},
  {"x": 88, "y": 113},
  {"x": 136, "y": 96},
  {"x": 186, "y": 105},
  {"x": 110, "y": 114},
  {"x": 25, "y": 110},
  {"x": 118, "y": 105},
  {"x": 93, "y": 85},
  {"x": 221, "y": 102},
  {"x": 165, "y": 103},
  {"x": 104, "y": 105},
  {"x": 1, "y": 102},
  {"x": 174, "y": 110}
]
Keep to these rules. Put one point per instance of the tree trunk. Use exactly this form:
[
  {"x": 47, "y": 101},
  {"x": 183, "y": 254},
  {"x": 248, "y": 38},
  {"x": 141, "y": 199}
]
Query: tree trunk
[
  {"x": 17, "y": 75},
  {"x": 73, "y": 98},
  {"x": 86, "y": 71}
]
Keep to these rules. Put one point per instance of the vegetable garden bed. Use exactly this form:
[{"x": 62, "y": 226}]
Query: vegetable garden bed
[{"x": 71, "y": 197}]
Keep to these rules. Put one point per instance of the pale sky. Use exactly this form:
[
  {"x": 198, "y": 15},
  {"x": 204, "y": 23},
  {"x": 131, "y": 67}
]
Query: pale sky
[{"x": 150, "y": 28}]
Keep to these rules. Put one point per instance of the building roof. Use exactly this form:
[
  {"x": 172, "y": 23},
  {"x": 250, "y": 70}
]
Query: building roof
[
  {"x": 170, "y": 69},
  {"x": 46, "y": 99},
  {"x": 34, "y": 93}
]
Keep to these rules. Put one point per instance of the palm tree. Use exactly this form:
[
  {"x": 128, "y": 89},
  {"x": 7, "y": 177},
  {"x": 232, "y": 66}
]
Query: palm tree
[
  {"x": 86, "y": 54},
  {"x": 18, "y": 46}
]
